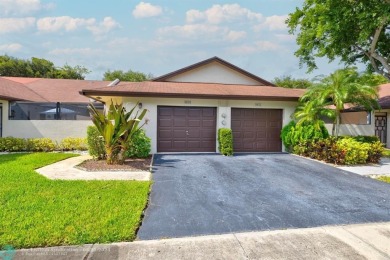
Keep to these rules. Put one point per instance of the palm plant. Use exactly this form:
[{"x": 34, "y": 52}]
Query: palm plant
[
  {"x": 117, "y": 127},
  {"x": 334, "y": 92}
]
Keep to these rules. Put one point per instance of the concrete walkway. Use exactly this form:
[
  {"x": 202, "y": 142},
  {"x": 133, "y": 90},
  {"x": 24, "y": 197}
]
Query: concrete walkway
[
  {"x": 383, "y": 168},
  {"x": 368, "y": 241},
  {"x": 65, "y": 170}
]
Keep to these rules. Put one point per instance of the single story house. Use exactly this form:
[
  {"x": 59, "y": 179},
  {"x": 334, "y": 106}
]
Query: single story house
[{"x": 186, "y": 108}]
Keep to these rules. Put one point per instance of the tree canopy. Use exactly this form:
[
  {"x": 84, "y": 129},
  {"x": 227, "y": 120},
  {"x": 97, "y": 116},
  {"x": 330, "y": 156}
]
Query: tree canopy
[
  {"x": 39, "y": 68},
  {"x": 330, "y": 96},
  {"x": 132, "y": 76},
  {"x": 290, "y": 82},
  {"x": 352, "y": 30}
]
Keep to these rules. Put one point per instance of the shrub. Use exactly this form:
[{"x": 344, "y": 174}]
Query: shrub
[
  {"x": 355, "y": 152},
  {"x": 366, "y": 138},
  {"x": 73, "y": 143},
  {"x": 40, "y": 145},
  {"x": 225, "y": 141},
  {"x": 139, "y": 145},
  {"x": 12, "y": 144},
  {"x": 293, "y": 134},
  {"x": 375, "y": 153},
  {"x": 95, "y": 143},
  {"x": 340, "y": 151}
]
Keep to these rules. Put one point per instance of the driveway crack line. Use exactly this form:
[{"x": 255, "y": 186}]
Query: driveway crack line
[{"x": 239, "y": 242}]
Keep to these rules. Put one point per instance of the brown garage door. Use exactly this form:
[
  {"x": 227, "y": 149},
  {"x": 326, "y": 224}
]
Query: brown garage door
[
  {"x": 257, "y": 130},
  {"x": 186, "y": 129}
]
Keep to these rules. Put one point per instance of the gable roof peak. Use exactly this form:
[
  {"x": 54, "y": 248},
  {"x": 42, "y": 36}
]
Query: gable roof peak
[{"x": 166, "y": 77}]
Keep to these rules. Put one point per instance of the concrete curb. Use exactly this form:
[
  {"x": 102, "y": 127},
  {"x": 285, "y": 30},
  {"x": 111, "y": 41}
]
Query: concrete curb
[
  {"x": 358, "y": 241},
  {"x": 65, "y": 170}
]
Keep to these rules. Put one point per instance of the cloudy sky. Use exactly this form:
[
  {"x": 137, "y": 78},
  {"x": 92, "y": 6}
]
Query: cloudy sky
[{"x": 154, "y": 36}]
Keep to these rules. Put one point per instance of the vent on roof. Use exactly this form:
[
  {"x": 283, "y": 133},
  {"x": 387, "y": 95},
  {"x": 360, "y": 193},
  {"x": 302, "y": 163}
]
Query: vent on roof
[{"x": 114, "y": 83}]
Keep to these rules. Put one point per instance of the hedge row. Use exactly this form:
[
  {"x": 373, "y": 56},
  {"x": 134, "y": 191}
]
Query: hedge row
[
  {"x": 225, "y": 141},
  {"x": 13, "y": 144},
  {"x": 345, "y": 150}
]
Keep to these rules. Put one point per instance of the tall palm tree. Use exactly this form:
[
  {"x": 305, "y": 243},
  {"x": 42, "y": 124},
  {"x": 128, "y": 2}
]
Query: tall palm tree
[{"x": 335, "y": 91}]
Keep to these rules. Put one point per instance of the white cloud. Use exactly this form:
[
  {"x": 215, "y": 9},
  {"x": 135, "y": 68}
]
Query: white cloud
[
  {"x": 13, "y": 47},
  {"x": 144, "y": 10},
  {"x": 235, "y": 35},
  {"x": 105, "y": 26},
  {"x": 189, "y": 30},
  {"x": 259, "y": 46},
  {"x": 75, "y": 51},
  {"x": 67, "y": 23},
  {"x": 20, "y": 7},
  {"x": 285, "y": 37},
  {"x": 273, "y": 23},
  {"x": 9, "y": 25},
  {"x": 222, "y": 13}
]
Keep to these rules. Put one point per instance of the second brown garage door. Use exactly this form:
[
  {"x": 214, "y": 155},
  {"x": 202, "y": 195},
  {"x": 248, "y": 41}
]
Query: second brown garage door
[
  {"x": 257, "y": 130},
  {"x": 186, "y": 129}
]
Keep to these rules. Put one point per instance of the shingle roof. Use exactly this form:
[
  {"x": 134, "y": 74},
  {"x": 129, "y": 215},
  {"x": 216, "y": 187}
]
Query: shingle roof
[
  {"x": 46, "y": 90},
  {"x": 195, "y": 90}
]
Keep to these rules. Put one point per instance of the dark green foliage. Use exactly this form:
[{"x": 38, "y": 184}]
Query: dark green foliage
[
  {"x": 95, "y": 143},
  {"x": 366, "y": 138},
  {"x": 132, "y": 76},
  {"x": 39, "y": 68},
  {"x": 340, "y": 151},
  {"x": 353, "y": 31},
  {"x": 289, "y": 82},
  {"x": 292, "y": 134},
  {"x": 225, "y": 141},
  {"x": 139, "y": 146}
]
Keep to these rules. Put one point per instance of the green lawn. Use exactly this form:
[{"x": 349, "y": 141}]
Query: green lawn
[
  {"x": 384, "y": 178},
  {"x": 37, "y": 212}
]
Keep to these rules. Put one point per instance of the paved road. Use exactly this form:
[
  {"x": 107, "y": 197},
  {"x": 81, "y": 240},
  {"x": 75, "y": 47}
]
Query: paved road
[{"x": 210, "y": 194}]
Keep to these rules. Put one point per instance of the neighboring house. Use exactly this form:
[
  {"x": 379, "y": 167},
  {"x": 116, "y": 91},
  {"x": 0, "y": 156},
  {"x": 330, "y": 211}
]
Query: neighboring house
[
  {"x": 35, "y": 107},
  {"x": 188, "y": 106},
  {"x": 368, "y": 123}
]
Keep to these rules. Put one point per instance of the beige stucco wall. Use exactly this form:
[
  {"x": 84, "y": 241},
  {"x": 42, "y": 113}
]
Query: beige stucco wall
[
  {"x": 214, "y": 73},
  {"x": 223, "y": 110},
  {"x": 54, "y": 129}
]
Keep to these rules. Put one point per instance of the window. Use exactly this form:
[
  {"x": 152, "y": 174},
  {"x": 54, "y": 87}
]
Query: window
[
  {"x": 356, "y": 118},
  {"x": 50, "y": 111}
]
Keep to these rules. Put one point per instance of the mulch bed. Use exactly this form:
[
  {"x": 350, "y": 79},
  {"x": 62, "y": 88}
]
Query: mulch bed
[{"x": 132, "y": 165}]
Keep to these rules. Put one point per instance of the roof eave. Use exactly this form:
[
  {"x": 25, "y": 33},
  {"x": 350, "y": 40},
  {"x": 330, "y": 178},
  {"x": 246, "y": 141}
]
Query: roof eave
[{"x": 93, "y": 94}]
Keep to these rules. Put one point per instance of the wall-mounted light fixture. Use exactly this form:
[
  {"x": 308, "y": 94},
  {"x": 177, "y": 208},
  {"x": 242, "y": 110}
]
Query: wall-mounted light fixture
[
  {"x": 223, "y": 115},
  {"x": 140, "y": 105}
]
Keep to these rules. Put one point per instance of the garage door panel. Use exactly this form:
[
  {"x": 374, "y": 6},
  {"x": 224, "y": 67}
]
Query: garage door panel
[
  {"x": 256, "y": 130},
  {"x": 179, "y": 122},
  {"x": 179, "y": 133},
  {"x": 194, "y": 113},
  {"x": 165, "y": 111},
  {"x": 165, "y": 122},
  {"x": 194, "y": 123},
  {"x": 179, "y": 111},
  {"x": 210, "y": 123},
  {"x": 186, "y": 129}
]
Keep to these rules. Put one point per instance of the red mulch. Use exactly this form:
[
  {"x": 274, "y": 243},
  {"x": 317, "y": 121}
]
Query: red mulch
[{"x": 132, "y": 165}]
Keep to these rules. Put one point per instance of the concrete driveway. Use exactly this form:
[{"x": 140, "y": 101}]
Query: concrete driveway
[{"x": 199, "y": 194}]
